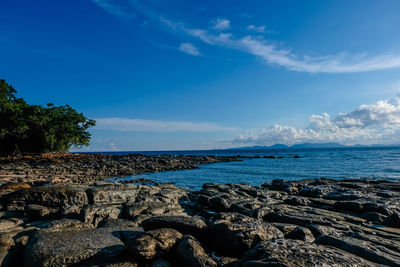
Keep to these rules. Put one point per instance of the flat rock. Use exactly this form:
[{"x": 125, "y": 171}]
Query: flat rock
[
  {"x": 238, "y": 233},
  {"x": 112, "y": 193},
  {"x": 183, "y": 224},
  {"x": 51, "y": 196},
  {"x": 73, "y": 247},
  {"x": 287, "y": 252}
]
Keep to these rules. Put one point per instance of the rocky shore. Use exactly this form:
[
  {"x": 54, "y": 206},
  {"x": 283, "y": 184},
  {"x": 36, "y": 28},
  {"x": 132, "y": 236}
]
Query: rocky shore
[
  {"x": 87, "y": 168},
  {"x": 300, "y": 223}
]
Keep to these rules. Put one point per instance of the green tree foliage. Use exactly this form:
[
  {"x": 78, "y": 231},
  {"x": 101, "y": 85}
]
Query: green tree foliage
[{"x": 28, "y": 128}]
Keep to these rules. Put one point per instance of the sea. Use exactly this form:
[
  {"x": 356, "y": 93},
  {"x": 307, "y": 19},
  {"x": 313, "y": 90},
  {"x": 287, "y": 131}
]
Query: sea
[{"x": 336, "y": 163}]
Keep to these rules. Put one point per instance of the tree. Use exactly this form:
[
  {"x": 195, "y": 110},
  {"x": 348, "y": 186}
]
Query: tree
[{"x": 28, "y": 128}]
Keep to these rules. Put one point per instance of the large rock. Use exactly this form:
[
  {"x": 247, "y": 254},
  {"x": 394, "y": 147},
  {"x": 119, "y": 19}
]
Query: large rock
[
  {"x": 237, "y": 233},
  {"x": 184, "y": 224},
  {"x": 370, "y": 249},
  {"x": 287, "y": 252},
  {"x": 74, "y": 247},
  {"x": 191, "y": 253},
  {"x": 112, "y": 193},
  {"x": 153, "y": 244},
  {"x": 51, "y": 196}
]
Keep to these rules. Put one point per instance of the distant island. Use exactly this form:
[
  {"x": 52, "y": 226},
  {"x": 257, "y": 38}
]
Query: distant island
[{"x": 308, "y": 145}]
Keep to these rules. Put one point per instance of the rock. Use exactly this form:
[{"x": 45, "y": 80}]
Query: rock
[
  {"x": 38, "y": 212},
  {"x": 392, "y": 220},
  {"x": 152, "y": 244},
  {"x": 120, "y": 264},
  {"x": 7, "y": 224},
  {"x": 112, "y": 193},
  {"x": 152, "y": 208},
  {"x": 183, "y": 224},
  {"x": 362, "y": 248},
  {"x": 51, "y": 196},
  {"x": 232, "y": 236},
  {"x": 65, "y": 225},
  {"x": 288, "y": 252},
  {"x": 118, "y": 223},
  {"x": 301, "y": 233},
  {"x": 73, "y": 247},
  {"x": 95, "y": 214},
  {"x": 191, "y": 253},
  {"x": 373, "y": 217}
]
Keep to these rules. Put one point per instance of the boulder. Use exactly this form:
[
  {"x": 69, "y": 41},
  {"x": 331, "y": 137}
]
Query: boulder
[
  {"x": 74, "y": 247},
  {"x": 191, "y": 253},
  {"x": 153, "y": 244},
  {"x": 239, "y": 233}
]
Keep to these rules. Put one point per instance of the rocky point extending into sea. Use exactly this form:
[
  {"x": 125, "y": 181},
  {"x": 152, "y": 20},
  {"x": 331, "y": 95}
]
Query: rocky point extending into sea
[{"x": 64, "y": 213}]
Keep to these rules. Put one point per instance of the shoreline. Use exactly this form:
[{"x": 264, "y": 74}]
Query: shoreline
[
  {"x": 88, "y": 168},
  {"x": 311, "y": 222}
]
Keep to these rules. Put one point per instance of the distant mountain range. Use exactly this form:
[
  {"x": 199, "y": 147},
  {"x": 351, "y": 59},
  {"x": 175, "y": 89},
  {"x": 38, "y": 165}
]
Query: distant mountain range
[{"x": 307, "y": 145}]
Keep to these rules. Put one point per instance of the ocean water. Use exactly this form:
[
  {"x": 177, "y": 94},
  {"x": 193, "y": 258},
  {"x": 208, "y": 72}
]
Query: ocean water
[{"x": 336, "y": 163}]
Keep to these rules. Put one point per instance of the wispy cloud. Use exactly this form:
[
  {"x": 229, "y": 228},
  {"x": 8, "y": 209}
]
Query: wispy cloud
[
  {"x": 189, "y": 49},
  {"x": 140, "y": 125},
  {"x": 221, "y": 24},
  {"x": 256, "y": 28},
  {"x": 122, "y": 11},
  {"x": 266, "y": 50},
  {"x": 367, "y": 124}
]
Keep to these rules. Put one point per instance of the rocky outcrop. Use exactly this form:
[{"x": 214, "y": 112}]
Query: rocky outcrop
[
  {"x": 283, "y": 223},
  {"x": 87, "y": 168}
]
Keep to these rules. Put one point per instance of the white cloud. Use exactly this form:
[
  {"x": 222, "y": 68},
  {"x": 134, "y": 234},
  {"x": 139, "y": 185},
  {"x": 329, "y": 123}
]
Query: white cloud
[
  {"x": 189, "y": 49},
  {"x": 221, "y": 24},
  {"x": 256, "y": 28},
  {"x": 125, "y": 124},
  {"x": 266, "y": 50},
  {"x": 112, "y": 8},
  {"x": 367, "y": 124},
  {"x": 271, "y": 54}
]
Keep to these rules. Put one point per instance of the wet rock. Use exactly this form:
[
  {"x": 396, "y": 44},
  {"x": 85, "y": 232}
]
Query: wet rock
[
  {"x": 191, "y": 253},
  {"x": 237, "y": 233},
  {"x": 184, "y": 224},
  {"x": 73, "y": 247}
]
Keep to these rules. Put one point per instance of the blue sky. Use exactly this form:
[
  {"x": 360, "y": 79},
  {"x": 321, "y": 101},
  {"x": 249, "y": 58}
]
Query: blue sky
[{"x": 161, "y": 75}]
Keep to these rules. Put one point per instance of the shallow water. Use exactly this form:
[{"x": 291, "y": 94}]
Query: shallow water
[{"x": 337, "y": 163}]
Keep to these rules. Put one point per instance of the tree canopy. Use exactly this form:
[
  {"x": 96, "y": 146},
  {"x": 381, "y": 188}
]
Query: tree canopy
[{"x": 28, "y": 128}]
